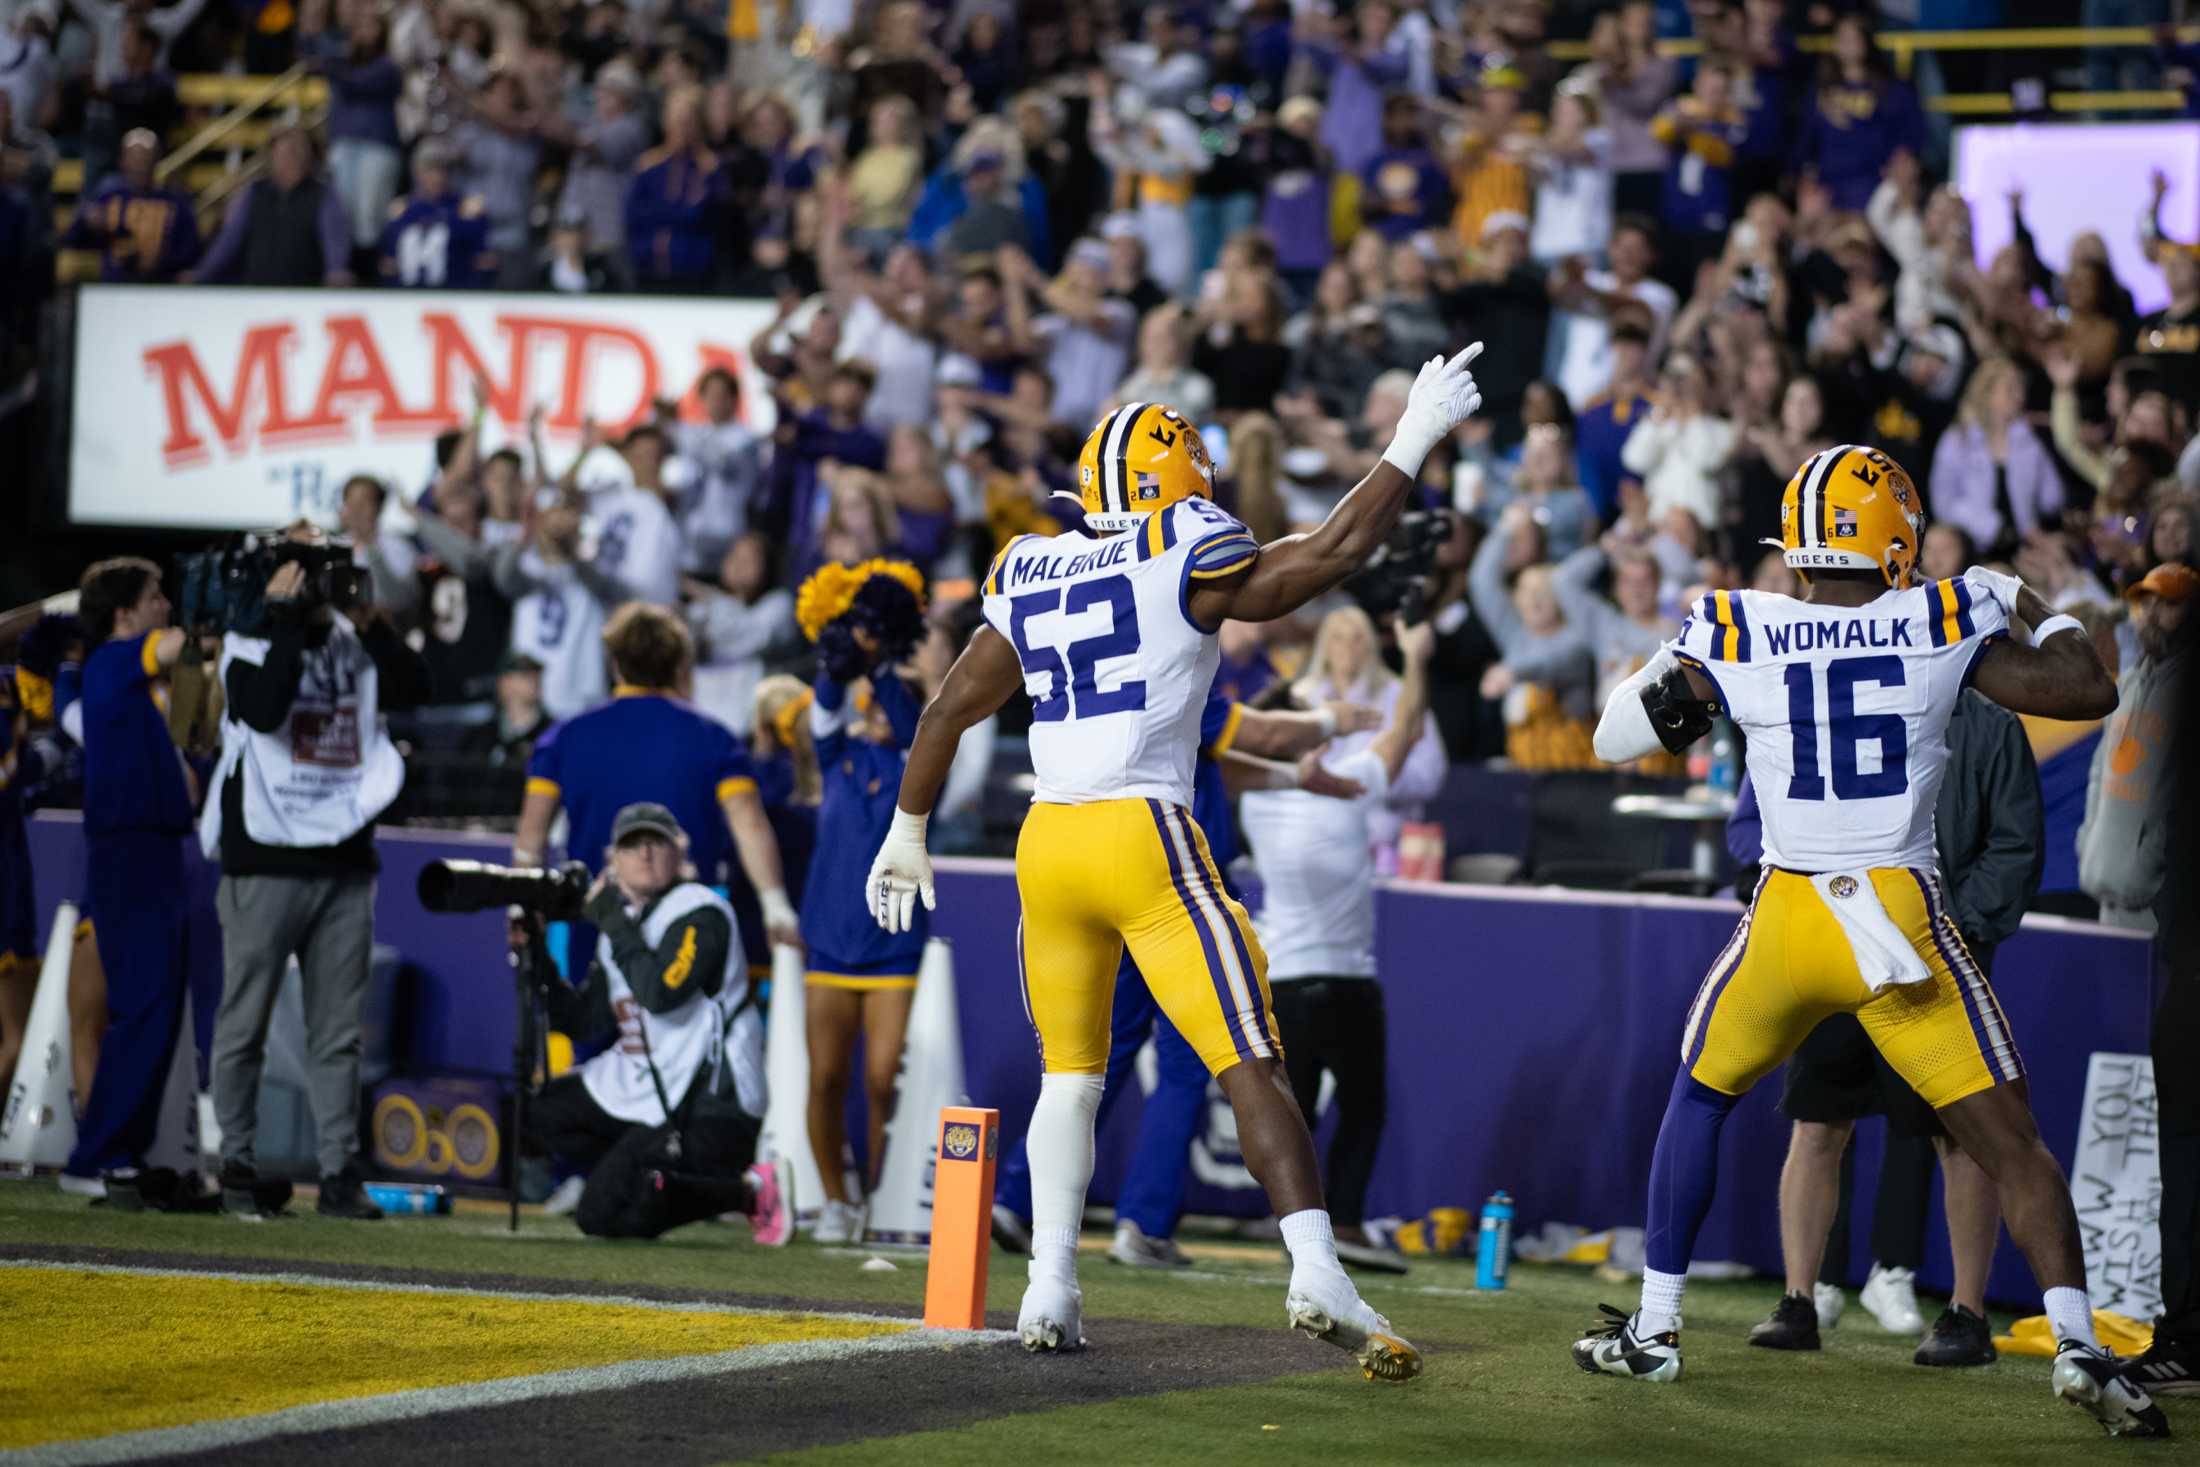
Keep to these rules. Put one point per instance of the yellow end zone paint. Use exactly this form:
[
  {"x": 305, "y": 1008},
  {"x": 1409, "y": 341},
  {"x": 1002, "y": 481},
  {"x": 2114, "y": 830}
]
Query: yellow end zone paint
[{"x": 86, "y": 1354}]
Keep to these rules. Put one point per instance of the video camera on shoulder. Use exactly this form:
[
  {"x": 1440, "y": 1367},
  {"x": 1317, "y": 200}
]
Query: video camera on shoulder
[{"x": 224, "y": 589}]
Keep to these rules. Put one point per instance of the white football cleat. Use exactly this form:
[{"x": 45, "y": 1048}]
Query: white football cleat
[
  {"x": 2093, "y": 1380},
  {"x": 1891, "y": 1296},
  {"x": 1052, "y": 1315},
  {"x": 1831, "y": 1302},
  {"x": 838, "y": 1222},
  {"x": 1324, "y": 1306},
  {"x": 1613, "y": 1348}
]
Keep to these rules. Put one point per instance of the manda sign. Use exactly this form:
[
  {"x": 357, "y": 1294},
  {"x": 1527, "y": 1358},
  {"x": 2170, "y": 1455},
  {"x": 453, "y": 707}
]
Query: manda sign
[{"x": 205, "y": 408}]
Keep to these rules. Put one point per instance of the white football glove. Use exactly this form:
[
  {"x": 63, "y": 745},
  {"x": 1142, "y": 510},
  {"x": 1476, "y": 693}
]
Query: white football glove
[
  {"x": 1443, "y": 397},
  {"x": 900, "y": 874}
]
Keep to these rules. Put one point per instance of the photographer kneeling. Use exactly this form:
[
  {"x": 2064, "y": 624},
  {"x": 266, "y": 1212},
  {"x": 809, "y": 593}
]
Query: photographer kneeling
[
  {"x": 667, "y": 1118},
  {"x": 306, "y": 767}
]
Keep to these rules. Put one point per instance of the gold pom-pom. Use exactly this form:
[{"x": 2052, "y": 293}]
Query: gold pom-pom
[
  {"x": 826, "y": 596},
  {"x": 787, "y": 722},
  {"x": 35, "y": 694}
]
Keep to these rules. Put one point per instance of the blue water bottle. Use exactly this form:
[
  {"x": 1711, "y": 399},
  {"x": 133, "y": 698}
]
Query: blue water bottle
[
  {"x": 406, "y": 1199},
  {"x": 1493, "y": 1249}
]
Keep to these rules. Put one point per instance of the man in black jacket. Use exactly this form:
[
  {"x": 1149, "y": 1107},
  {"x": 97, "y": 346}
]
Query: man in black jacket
[
  {"x": 306, "y": 766},
  {"x": 285, "y": 229},
  {"x": 1988, "y": 830}
]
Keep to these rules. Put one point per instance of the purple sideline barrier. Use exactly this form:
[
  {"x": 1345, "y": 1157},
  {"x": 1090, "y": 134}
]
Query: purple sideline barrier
[{"x": 1534, "y": 1036}]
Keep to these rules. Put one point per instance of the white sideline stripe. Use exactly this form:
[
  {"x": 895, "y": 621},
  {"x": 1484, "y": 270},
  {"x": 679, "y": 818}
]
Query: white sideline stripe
[
  {"x": 139, "y": 1446},
  {"x": 525, "y": 1296}
]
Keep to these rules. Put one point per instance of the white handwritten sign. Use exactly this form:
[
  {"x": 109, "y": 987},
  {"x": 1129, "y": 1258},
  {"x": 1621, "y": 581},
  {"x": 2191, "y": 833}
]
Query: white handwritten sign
[{"x": 2116, "y": 1183}]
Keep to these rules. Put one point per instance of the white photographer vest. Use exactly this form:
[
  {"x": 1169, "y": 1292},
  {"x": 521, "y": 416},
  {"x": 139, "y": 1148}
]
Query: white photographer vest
[
  {"x": 328, "y": 771},
  {"x": 686, "y": 1041}
]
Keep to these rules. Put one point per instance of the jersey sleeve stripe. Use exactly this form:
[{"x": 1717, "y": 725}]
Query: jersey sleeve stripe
[
  {"x": 1730, "y": 639},
  {"x": 1150, "y": 542},
  {"x": 1964, "y": 623},
  {"x": 1941, "y": 603},
  {"x": 149, "y": 654},
  {"x": 735, "y": 784},
  {"x": 1000, "y": 562},
  {"x": 1219, "y": 555},
  {"x": 537, "y": 785}
]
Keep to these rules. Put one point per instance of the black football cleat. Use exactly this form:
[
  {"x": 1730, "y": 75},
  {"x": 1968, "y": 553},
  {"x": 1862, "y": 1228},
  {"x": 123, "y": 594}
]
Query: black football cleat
[{"x": 2168, "y": 1368}]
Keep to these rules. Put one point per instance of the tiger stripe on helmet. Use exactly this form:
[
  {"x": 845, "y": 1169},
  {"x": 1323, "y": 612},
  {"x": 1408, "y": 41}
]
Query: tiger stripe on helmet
[
  {"x": 1115, "y": 452},
  {"x": 1810, "y": 507}
]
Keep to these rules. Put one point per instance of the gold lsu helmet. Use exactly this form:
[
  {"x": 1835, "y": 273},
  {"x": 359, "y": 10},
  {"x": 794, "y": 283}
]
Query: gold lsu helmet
[
  {"x": 1851, "y": 508},
  {"x": 1142, "y": 458}
]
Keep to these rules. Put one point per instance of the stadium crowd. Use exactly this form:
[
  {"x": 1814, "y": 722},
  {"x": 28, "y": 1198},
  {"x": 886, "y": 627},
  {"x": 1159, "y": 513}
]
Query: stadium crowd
[{"x": 985, "y": 225}]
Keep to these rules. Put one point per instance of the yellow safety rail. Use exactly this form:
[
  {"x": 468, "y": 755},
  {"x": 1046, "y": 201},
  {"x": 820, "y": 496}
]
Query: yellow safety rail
[{"x": 284, "y": 91}]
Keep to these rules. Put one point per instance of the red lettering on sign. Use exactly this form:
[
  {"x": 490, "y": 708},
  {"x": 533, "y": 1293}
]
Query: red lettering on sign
[
  {"x": 448, "y": 346},
  {"x": 355, "y": 369},
  {"x": 355, "y": 374},
  {"x": 255, "y": 404},
  {"x": 583, "y": 339}
]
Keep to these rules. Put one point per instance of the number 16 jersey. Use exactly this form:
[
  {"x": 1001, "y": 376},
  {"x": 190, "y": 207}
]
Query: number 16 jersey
[
  {"x": 1116, "y": 668},
  {"x": 1846, "y": 711}
]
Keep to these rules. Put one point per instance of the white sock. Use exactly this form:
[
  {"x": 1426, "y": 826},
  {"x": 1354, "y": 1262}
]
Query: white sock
[
  {"x": 1312, "y": 1244},
  {"x": 2070, "y": 1316},
  {"x": 1661, "y": 1302},
  {"x": 1061, "y": 1149}
]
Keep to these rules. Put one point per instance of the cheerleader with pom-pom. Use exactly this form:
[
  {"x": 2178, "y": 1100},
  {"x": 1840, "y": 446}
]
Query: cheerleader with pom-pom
[{"x": 866, "y": 620}]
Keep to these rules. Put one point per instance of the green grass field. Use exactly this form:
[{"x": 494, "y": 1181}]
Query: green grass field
[{"x": 1499, "y": 1387}]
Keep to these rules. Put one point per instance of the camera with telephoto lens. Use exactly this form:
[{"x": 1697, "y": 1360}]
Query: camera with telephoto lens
[
  {"x": 1394, "y": 580},
  {"x": 475, "y": 886},
  {"x": 225, "y": 589}
]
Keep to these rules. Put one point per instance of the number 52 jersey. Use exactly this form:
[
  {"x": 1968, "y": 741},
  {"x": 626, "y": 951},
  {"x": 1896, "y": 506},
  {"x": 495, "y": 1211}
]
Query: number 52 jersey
[
  {"x": 1846, "y": 711},
  {"x": 1116, "y": 668}
]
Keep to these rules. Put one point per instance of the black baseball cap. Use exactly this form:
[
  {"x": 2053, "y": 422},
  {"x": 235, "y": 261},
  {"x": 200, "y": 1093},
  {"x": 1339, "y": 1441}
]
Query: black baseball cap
[{"x": 645, "y": 818}]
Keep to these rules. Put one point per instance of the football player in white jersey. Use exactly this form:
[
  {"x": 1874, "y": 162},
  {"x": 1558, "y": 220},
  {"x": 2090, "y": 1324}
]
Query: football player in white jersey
[
  {"x": 1112, "y": 633},
  {"x": 1845, "y": 697}
]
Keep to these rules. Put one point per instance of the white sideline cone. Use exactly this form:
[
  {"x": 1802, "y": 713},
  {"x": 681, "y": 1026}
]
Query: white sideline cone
[
  {"x": 787, "y": 1077},
  {"x": 931, "y": 1077},
  {"x": 38, "y": 1127}
]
